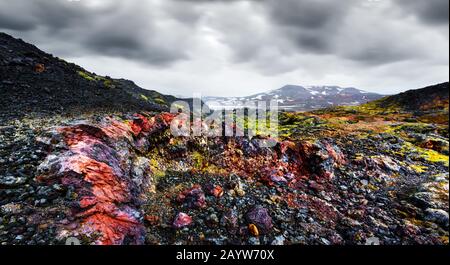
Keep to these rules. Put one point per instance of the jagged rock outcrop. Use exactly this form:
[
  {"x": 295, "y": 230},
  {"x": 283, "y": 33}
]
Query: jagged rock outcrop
[{"x": 100, "y": 164}]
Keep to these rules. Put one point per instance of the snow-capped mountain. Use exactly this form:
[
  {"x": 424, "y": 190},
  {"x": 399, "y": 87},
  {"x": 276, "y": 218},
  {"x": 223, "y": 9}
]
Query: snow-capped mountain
[{"x": 299, "y": 98}]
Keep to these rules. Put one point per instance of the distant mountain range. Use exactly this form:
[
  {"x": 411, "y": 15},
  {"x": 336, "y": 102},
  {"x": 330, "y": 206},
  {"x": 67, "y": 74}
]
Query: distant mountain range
[{"x": 300, "y": 98}]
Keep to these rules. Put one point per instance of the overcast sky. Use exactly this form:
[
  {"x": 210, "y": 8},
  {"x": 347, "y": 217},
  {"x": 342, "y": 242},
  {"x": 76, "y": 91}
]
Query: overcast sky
[{"x": 241, "y": 47}]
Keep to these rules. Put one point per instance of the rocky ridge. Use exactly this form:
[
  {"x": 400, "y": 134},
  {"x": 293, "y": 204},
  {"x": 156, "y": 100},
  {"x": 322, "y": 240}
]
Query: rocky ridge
[{"x": 33, "y": 82}]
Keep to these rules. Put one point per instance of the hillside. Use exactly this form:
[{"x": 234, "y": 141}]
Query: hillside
[
  {"x": 34, "y": 82},
  {"x": 429, "y": 99}
]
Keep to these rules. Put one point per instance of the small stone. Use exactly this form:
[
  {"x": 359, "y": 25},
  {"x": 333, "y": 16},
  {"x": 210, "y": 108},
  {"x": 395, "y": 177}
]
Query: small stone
[
  {"x": 240, "y": 192},
  {"x": 254, "y": 241},
  {"x": 279, "y": 241},
  {"x": 325, "y": 241},
  {"x": 372, "y": 241},
  {"x": 438, "y": 216},
  {"x": 11, "y": 181},
  {"x": 193, "y": 197},
  {"x": 230, "y": 221},
  {"x": 152, "y": 219},
  {"x": 10, "y": 208},
  {"x": 253, "y": 230},
  {"x": 182, "y": 220},
  {"x": 278, "y": 179},
  {"x": 261, "y": 218},
  {"x": 212, "y": 219},
  {"x": 216, "y": 191}
]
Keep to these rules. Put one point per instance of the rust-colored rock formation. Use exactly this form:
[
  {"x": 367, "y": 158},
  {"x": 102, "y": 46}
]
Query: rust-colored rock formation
[{"x": 107, "y": 194}]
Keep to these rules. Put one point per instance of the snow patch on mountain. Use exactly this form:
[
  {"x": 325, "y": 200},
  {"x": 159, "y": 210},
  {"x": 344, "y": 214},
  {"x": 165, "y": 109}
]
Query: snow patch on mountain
[{"x": 304, "y": 98}]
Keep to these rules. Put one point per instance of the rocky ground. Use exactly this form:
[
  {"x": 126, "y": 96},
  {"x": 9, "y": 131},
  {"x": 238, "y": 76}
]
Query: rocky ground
[{"x": 334, "y": 177}]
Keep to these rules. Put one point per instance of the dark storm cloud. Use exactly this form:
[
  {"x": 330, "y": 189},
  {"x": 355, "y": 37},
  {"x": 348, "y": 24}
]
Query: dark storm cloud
[
  {"x": 309, "y": 14},
  {"x": 356, "y": 30},
  {"x": 58, "y": 15},
  {"x": 244, "y": 38},
  {"x": 218, "y": 1},
  {"x": 8, "y": 21},
  {"x": 430, "y": 11},
  {"x": 162, "y": 33},
  {"x": 309, "y": 23},
  {"x": 125, "y": 29}
]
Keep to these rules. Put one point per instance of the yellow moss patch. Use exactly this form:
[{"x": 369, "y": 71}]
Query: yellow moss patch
[
  {"x": 435, "y": 157},
  {"x": 86, "y": 76},
  {"x": 372, "y": 187},
  {"x": 160, "y": 101},
  {"x": 418, "y": 168},
  {"x": 197, "y": 159}
]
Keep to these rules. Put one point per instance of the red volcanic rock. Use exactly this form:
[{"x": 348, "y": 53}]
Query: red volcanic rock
[
  {"x": 106, "y": 208},
  {"x": 193, "y": 197},
  {"x": 140, "y": 124},
  {"x": 182, "y": 220},
  {"x": 335, "y": 154},
  {"x": 216, "y": 191}
]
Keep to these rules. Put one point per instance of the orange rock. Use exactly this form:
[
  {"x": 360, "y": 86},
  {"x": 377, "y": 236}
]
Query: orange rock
[
  {"x": 253, "y": 230},
  {"x": 152, "y": 219},
  {"x": 39, "y": 68},
  {"x": 218, "y": 191}
]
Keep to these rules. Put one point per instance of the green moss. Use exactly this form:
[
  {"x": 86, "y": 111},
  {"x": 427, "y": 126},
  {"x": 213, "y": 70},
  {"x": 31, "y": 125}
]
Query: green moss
[
  {"x": 160, "y": 101},
  {"x": 108, "y": 83},
  {"x": 155, "y": 165},
  {"x": 178, "y": 106},
  {"x": 86, "y": 75},
  {"x": 198, "y": 159},
  {"x": 144, "y": 97}
]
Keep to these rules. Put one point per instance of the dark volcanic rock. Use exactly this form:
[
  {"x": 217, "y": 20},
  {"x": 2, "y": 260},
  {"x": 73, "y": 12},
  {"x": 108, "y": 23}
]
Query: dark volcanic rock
[
  {"x": 261, "y": 218},
  {"x": 36, "y": 82}
]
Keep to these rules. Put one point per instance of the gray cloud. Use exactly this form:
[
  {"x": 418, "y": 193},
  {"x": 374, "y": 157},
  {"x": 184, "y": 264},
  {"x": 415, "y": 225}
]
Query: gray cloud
[
  {"x": 223, "y": 40},
  {"x": 11, "y": 22},
  {"x": 308, "y": 14},
  {"x": 430, "y": 11},
  {"x": 360, "y": 31},
  {"x": 122, "y": 29}
]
